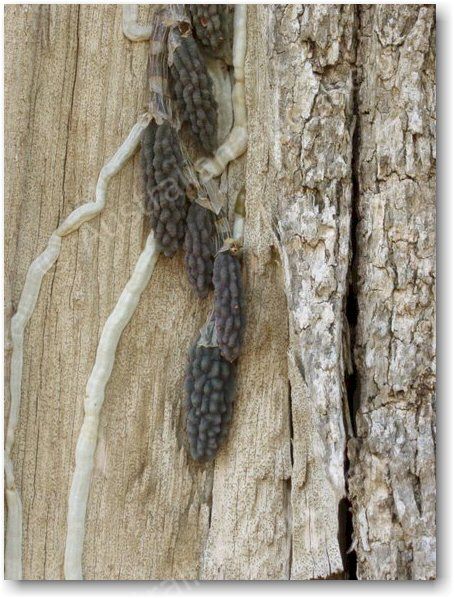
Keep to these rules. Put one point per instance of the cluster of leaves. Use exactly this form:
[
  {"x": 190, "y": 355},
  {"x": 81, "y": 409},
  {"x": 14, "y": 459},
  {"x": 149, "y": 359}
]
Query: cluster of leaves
[
  {"x": 199, "y": 248},
  {"x": 228, "y": 312},
  {"x": 166, "y": 202},
  {"x": 209, "y": 400},
  {"x": 193, "y": 94},
  {"x": 176, "y": 221},
  {"x": 210, "y": 24}
]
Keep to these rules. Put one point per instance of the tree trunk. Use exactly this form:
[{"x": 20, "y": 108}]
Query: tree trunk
[
  {"x": 393, "y": 462},
  {"x": 338, "y": 268}
]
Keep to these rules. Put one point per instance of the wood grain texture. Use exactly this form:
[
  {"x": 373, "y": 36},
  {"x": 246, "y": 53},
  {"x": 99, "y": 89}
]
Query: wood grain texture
[
  {"x": 341, "y": 121},
  {"x": 149, "y": 508}
]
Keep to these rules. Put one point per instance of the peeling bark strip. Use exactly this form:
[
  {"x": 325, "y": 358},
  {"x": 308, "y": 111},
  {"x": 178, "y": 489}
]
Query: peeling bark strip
[
  {"x": 393, "y": 461},
  {"x": 311, "y": 73},
  {"x": 335, "y": 94}
]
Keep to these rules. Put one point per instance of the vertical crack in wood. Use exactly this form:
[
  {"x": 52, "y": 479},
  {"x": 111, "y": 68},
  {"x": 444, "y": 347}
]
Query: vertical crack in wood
[
  {"x": 350, "y": 318},
  {"x": 289, "y": 484},
  {"x": 71, "y": 108}
]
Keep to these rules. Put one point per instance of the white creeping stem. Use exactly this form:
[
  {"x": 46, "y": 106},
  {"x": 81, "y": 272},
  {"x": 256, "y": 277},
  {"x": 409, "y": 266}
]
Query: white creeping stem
[
  {"x": 238, "y": 221},
  {"x": 131, "y": 28},
  {"x": 238, "y": 227},
  {"x": 222, "y": 87},
  {"x": 88, "y": 436},
  {"x": 236, "y": 142},
  {"x": 27, "y": 302}
]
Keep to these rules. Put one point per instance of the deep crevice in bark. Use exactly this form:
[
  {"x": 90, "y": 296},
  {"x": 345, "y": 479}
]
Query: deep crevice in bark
[
  {"x": 351, "y": 308},
  {"x": 352, "y": 381},
  {"x": 290, "y": 421},
  {"x": 289, "y": 482},
  {"x": 345, "y": 537}
]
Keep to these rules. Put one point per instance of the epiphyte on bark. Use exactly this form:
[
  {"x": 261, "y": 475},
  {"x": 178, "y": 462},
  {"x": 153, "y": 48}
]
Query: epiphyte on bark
[
  {"x": 236, "y": 142},
  {"x": 209, "y": 400},
  {"x": 199, "y": 248},
  {"x": 228, "y": 303},
  {"x": 165, "y": 197},
  {"x": 213, "y": 24},
  {"x": 193, "y": 94}
]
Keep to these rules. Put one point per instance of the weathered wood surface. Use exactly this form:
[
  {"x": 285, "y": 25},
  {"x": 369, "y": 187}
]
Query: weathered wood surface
[{"x": 269, "y": 506}]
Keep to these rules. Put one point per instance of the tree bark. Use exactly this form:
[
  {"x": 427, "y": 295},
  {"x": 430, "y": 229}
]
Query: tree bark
[
  {"x": 310, "y": 164},
  {"x": 339, "y": 250},
  {"x": 393, "y": 461}
]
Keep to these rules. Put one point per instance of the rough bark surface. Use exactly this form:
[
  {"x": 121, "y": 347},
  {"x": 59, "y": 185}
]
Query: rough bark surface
[
  {"x": 393, "y": 458},
  {"x": 311, "y": 84},
  {"x": 341, "y": 113}
]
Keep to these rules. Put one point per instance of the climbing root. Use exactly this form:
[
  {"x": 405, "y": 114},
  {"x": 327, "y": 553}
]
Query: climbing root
[
  {"x": 94, "y": 399},
  {"x": 27, "y": 302},
  {"x": 236, "y": 142},
  {"x": 131, "y": 28}
]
